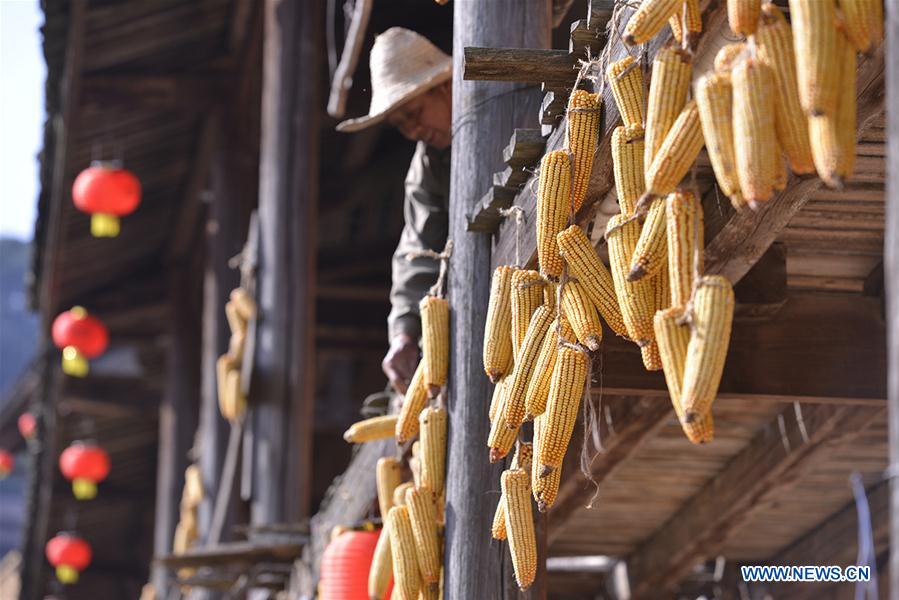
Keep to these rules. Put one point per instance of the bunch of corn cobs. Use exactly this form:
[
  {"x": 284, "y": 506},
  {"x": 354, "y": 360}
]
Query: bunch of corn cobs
[
  {"x": 410, "y": 548},
  {"x": 239, "y": 310}
]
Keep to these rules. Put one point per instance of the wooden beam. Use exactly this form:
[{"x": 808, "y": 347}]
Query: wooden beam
[
  {"x": 247, "y": 553},
  {"x": 185, "y": 230},
  {"x": 343, "y": 74},
  {"x": 523, "y": 65},
  {"x": 891, "y": 276},
  {"x": 164, "y": 93},
  {"x": 797, "y": 438}
]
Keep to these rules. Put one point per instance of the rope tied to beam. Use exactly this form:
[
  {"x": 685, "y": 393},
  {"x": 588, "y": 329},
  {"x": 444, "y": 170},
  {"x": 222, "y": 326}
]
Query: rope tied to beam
[{"x": 439, "y": 288}]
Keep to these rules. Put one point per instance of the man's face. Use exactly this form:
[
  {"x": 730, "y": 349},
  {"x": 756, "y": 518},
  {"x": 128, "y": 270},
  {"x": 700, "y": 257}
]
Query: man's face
[{"x": 426, "y": 118}]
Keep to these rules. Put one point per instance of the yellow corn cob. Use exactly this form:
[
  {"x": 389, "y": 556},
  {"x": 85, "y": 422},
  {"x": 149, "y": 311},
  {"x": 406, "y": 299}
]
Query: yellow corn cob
[
  {"x": 501, "y": 438},
  {"x": 538, "y": 388},
  {"x": 754, "y": 136},
  {"x": 626, "y": 80},
  {"x": 422, "y": 505},
  {"x": 565, "y": 391},
  {"x": 779, "y": 173},
  {"x": 863, "y": 21},
  {"x": 369, "y": 430},
  {"x": 388, "y": 474},
  {"x": 649, "y": 19},
  {"x": 677, "y": 153},
  {"x": 527, "y": 295},
  {"x": 435, "y": 341},
  {"x": 553, "y": 207},
  {"x": 520, "y": 526},
  {"x": 815, "y": 45},
  {"x": 660, "y": 292},
  {"x": 399, "y": 494},
  {"x": 583, "y": 128},
  {"x": 713, "y": 311},
  {"x": 415, "y": 467},
  {"x": 236, "y": 323},
  {"x": 495, "y": 399},
  {"x": 381, "y": 570},
  {"x": 413, "y": 403},
  {"x": 690, "y": 12},
  {"x": 584, "y": 263},
  {"x": 582, "y": 315},
  {"x": 684, "y": 230},
  {"x": 433, "y": 448},
  {"x": 545, "y": 489},
  {"x": 833, "y": 137},
  {"x": 514, "y": 406},
  {"x": 727, "y": 57},
  {"x": 521, "y": 460},
  {"x": 406, "y": 572},
  {"x": 671, "y": 71},
  {"x": 714, "y": 99},
  {"x": 550, "y": 291},
  {"x": 498, "y": 329},
  {"x": 244, "y": 303},
  {"x": 651, "y": 251},
  {"x": 743, "y": 16},
  {"x": 652, "y": 360},
  {"x": 628, "y": 150},
  {"x": 637, "y": 298},
  {"x": 673, "y": 340}
]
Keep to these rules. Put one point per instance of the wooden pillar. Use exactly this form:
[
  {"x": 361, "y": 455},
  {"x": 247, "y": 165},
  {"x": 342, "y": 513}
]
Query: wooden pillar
[
  {"x": 282, "y": 388},
  {"x": 484, "y": 116},
  {"x": 891, "y": 273}
]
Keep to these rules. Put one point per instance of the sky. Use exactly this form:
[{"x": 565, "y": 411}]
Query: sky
[{"x": 22, "y": 77}]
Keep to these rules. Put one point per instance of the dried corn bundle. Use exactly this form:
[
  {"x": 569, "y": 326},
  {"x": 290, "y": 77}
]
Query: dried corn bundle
[
  {"x": 652, "y": 359},
  {"x": 684, "y": 229},
  {"x": 649, "y": 19},
  {"x": 677, "y": 153},
  {"x": 406, "y": 572},
  {"x": 520, "y": 526},
  {"x": 243, "y": 303},
  {"x": 775, "y": 48},
  {"x": 713, "y": 311},
  {"x": 495, "y": 399},
  {"x": 369, "y": 430},
  {"x": 553, "y": 207},
  {"x": 545, "y": 489},
  {"x": 743, "y": 16},
  {"x": 527, "y": 295},
  {"x": 779, "y": 173},
  {"x": 651, "y": 251},
  {"x": 714, "y": 99},
  {"x": 583, "y": 129},
  {"x": 565, "y": 391},
  {"x": 388, "y": 475},
  {"x": 626, "y": 80},
  {"x": 399, "y": 494},
  {"x": 435, "y": 341},
  {"x": 863, "y": 23},
  {"x": 690, "y": 13},
  {"x": 413, "y": 403},
  {"x": 582, "y": 315},
  {"x": 514, "y": 406},
  {"x": 637, "y": 298},
  {"x": 584, "y": 263},
  {"x": 433, "y": 423},
  {"x": 661, "y": 298},
  {"x": 833, "y": 136},
  {"x": 628, "y": 150},
  {"x": 754, "y": 134},
  {"x": 521, "y": 460},
  {"x": 381, "y": 570},
  {"x": 673, "y": 340},
  {"x": 538, "y": 388},
  {"x": 415, "y": 466},
  {"x": 728, "y": 56},
  {"x": 422, "y": 505},
  {"x": 498, "y": 359},
  {"x": 671, "y": 72},
  {"x": 501, "y": 438},
  {"x": 815, "y": 46}
]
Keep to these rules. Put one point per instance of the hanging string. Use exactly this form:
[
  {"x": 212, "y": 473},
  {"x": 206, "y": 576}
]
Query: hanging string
[
  {"x": 438, "y": 288},
  {"x": 520, "y": 219},
  {"x": 867, "y": 554}
]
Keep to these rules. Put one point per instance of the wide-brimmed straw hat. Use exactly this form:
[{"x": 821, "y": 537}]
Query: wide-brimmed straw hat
[{"x": 404, "y": 64}]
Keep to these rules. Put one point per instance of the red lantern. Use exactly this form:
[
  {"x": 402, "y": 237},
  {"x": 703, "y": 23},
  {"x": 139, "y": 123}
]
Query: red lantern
[
  {"x": 345, "y": 566},
  {"x": 85, "y": 465},
  {"x": 27, "y": 425},
  {"x": 81, "y": 337},
  {"x": 7, "y": 463},
  {"x": 107, "y": 192},
  {"x": 69, "y": 554}
]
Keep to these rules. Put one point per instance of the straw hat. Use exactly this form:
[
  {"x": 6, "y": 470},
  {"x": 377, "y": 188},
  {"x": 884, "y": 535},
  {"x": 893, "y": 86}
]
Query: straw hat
[{"x": 404, "y": 64}]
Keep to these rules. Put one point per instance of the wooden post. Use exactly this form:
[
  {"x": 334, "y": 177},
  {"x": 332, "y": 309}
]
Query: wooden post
[
  {"x": 891, "y": 275},
  {"x": 484, "y": 116},
  {"x": 282, "y": 388}
]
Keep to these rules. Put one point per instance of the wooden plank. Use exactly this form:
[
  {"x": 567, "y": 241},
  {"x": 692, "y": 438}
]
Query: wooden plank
[
  {"x": 246, "y": 553},
  {"x": 598, "y": 13},
  {"x": 584, "y": 39},
  {"x": 486, "y": 216},
  {"x": 524, "y": 149},
  {"x": 523, "y": 65},
  {"x": 192, "y": 93}
]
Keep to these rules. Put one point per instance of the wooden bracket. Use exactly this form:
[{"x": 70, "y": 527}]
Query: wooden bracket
[{"x": 524, "y": 65}]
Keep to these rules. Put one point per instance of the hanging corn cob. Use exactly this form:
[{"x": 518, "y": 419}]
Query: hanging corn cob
[
  {"x": 527, "y": 295},
  {"x": 538, "y": 388},
  {"x": 673, "y": 341},
  {"x": 415, "y": 464},
  {"x": 501, "y": 438},
  {"x": 626, "y": 80},
  {"x": 581, "y": 315},
  {"x": 727, "y": 57},
  {"x": 545, "y": 488},
  {"x": 514, "y": 406},
  {"x": 713, "y": 311},
  {"x": 743, "y": 16},
  {"x": 565, "y": 391},
  {"x": 833, "y": 136},
  {"x": 406, "y": 573},
  {"x": 381, "y": 570},
  {"x": 677, "y": 153},
  {"x": 553, "y": 202},
  {"x": 399, "y": 494},
  {"x": 495, "y": 399},
  {"x": 684, "y": 229},
  {"x": 714, "y": 99},
  {"x": 815, "y": 45},
  {"x": 433, "y": 423},
  {"x": 583, "y": 128},
  {"x": 637, "y": 298},
  {"x": 414, "y": 401},
  {"x": 422, "y": 505},
  {"x": 863, "y": 20},
  {"x": 520, "y": 526},
  {"x": 388, "y": 474},
  {"x": 628, "y": 150},
  {"x": 498, "y": 329},
  {"x": 661, "y": 298},
  {"x": 775, "y": 48},
  {"x": 754, "y": 134},
  {"x": 435, "y": 341},
  {"x": 584, "y": 263},
  {"x": 649, "y": 19},
  {"x": 651, "y": 251},
  {"x": 671, "y": 71},
  {"x": 521, "y": 460},
  {"x": 369, "y": 430},
  {"x": 690, "y": 12}
]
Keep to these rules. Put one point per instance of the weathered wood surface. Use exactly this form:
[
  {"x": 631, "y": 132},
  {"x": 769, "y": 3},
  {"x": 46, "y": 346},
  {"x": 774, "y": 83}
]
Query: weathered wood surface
[
  {"x": 891, "y": 274},
  {"x": 484, "y": 116},
  {"x": 349, "y": 58},
  {"x": 246, "y": 553},
  {"x": 192, "y": 93},
  {"x": 523, "y": 65},
  {"x": 524, "y": 149},
  {"x": 485, "y": 214}
]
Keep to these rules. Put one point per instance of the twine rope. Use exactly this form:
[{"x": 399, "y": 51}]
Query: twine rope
[{"x": 438, "y": 289}]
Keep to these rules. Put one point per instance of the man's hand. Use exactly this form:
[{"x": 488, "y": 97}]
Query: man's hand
[{"x": 400, "y": 361}]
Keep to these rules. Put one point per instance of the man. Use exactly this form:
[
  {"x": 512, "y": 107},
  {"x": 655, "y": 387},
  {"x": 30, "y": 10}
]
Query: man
[{"x": 411, "y": 83}]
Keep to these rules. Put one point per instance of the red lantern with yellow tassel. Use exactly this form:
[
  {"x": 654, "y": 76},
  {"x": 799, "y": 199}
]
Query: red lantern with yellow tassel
[
  {"x": 106, "y": 192},
  {"x": 70, "y": 555},
  {"x": 345, "y": 566},
  {"x": 7, "y": 463},
  {"x": 84, "y": 464},
  {"x": 81, "y": 337}
]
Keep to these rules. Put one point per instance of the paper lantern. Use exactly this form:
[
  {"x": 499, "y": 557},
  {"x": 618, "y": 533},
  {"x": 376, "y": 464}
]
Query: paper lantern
[
  {"x": 7, "y": 463},
  {"x": 106, "y": 192},
  {"x": 85, "y": 465},
  {"x": 345, "y": 565},
  {"x": 81, "y": 337},
  {"x": 69, "y": 554},
  {"x": 27, "y": 425}
]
